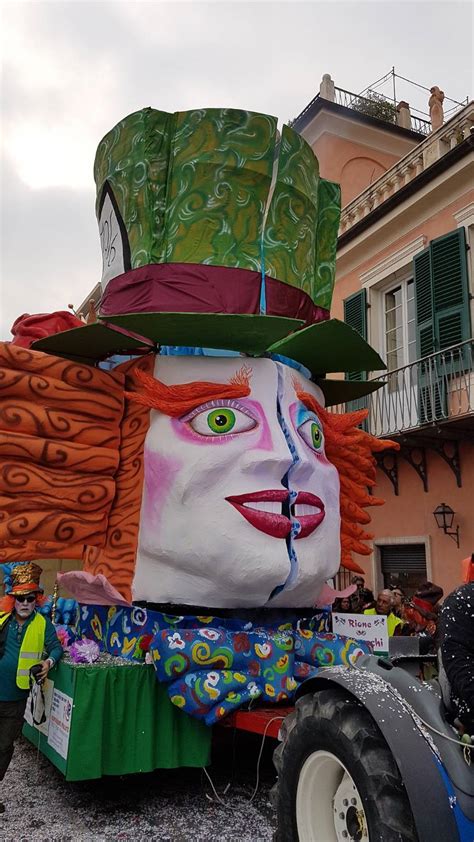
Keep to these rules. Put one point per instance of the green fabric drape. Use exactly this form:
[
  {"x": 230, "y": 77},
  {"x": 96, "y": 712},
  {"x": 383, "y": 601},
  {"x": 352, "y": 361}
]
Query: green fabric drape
[{"x": 122, "y": 722}]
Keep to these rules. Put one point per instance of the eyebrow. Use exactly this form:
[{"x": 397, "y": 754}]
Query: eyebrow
[
  {"x": 308, "y": 400},
  {"x": 177, "y": 400}
]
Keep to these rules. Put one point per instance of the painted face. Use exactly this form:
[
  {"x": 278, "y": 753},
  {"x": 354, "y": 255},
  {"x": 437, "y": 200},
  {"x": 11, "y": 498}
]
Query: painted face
[
  {"x": 24, "y": 608},
  {"x": 240, "y": 505}
]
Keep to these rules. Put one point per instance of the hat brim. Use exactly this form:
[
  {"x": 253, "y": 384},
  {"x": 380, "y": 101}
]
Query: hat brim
[
  {"x": 245, "y": 332},
  {"x": 342, "y": 391},
  {"x": 326, "y": 347},
  {"x": 23, "y": 590},
  {"x": 90, "y": 343},
  {"x": 330, "y": 346},
  {"x": 250, "y": 334}
]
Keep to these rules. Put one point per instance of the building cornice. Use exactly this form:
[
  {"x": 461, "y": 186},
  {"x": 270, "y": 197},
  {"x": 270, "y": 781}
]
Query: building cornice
[
  {"x": 429, "y": 174},
  {"x": 395, "y": 261},
  {"x": 465, "y": 216}
]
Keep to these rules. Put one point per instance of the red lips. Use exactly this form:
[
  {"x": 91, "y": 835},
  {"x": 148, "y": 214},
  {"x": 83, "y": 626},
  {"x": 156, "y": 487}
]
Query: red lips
[{"x": 274, "y": 523}]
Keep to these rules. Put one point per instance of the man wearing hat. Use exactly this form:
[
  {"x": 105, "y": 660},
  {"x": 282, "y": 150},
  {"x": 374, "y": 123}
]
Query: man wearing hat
[{"x": 25, "y": 636}]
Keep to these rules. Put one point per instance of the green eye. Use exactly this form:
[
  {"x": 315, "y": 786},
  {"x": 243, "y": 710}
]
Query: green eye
[
  {"x": 312, "y": 433},
  {"x": 218, "y": 421},
  {"x": 221, "y": 420},
  {"x": 316, "y": 435}
]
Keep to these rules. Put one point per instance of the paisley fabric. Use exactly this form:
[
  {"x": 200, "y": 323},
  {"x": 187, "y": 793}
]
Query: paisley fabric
[
  {"x": 201, "y": 187},
  {"x": 212, "y": 671},
  {"x": 292, "y": 221},
  {"x": 329, "y": 214},
  {"x": 211, "y": 665}
]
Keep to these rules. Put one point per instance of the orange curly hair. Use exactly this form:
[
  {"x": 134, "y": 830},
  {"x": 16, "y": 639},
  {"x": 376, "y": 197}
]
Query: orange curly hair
[
  {"x": 7, "y": 603},
  {"x": 351, "y": 450}
]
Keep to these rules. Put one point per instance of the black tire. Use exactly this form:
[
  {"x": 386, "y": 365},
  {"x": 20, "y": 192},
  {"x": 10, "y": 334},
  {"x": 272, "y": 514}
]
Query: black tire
[{"x": 334, "y": 721}]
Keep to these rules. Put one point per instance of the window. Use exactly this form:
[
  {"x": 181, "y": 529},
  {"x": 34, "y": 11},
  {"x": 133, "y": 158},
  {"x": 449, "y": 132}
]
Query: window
[
  {"x": 400, "y": 334},
  {"x": 399, "y": 330},
  {"x": 403, "y": 565}
]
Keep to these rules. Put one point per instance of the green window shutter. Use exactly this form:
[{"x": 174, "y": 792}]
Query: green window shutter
[
  {"x": 442, "y": 317},
  {"x": 442, "y": 294},
  {"x": 450, "y": 289},
  {"x": 355, "y": 315},
  {"x": 423, "y": 303}
]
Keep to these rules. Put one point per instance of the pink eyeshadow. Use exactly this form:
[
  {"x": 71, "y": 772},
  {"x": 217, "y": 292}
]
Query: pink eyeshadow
[
  {"x": 293, "y": 408},
  {"x": 184, "y": 432},
  {"x": 160, "y": 472}
]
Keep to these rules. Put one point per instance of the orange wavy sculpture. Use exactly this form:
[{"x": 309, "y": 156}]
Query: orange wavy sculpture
[
  {"x": 116, "y": 560},
  {"x": 57, "y": 481},
  {"x": 351, "y": 450}
]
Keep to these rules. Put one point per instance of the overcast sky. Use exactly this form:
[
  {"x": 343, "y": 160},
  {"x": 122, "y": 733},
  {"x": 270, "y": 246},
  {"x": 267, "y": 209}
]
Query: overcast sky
[{"x": 71, "y": 70}]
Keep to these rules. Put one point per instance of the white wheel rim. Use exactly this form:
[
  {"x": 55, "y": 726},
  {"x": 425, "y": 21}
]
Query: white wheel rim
[{"x": 328, "y": 805}]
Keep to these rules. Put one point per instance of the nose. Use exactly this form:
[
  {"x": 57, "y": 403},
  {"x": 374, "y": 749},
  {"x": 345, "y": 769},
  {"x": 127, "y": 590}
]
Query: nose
[
  {"x": 275, "y": 456},
  {"x": 303, "y": 470}
]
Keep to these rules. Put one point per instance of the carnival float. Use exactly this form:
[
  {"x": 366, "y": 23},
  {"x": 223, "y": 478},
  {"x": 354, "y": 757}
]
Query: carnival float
[{"x": 209, "y": 492}]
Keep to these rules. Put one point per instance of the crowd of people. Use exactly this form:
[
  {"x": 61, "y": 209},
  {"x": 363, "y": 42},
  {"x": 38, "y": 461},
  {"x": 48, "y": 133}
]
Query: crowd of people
[
  {"x": 446, "y": 627},
  {"x": 406, "y": 615}
]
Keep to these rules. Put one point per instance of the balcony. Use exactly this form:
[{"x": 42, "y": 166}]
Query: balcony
[
  {"x": 381, "y": 107},
  {"x": 412, "y": 165},
  {"x": 438, "y": 389},
  {"x": 428, "y": 404},
  {"x": 373, "y": 105}
]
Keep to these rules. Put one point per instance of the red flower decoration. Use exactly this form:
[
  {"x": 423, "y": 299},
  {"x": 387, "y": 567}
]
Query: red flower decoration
[
  {"x": 144, "y": 642},
  {"x": 241, "y": 642},
  {"x": 254, "y": 668}
]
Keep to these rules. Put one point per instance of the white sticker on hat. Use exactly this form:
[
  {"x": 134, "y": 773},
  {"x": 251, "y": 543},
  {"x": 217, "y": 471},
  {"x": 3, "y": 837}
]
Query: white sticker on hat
[{"x": 113, "y": 239}]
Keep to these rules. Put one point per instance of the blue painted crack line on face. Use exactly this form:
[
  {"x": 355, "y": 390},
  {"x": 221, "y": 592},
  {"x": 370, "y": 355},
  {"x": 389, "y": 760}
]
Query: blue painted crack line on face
[{"x": 288, "y": 507}]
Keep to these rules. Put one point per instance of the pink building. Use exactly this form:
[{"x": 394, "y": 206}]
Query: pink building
[{"x": 405, "y": 280}]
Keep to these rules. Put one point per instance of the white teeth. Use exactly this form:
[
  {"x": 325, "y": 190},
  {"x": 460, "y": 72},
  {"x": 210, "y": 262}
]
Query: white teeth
[
  {"x": 302, "y": 509},
  {"x": 271, "y": 506}
]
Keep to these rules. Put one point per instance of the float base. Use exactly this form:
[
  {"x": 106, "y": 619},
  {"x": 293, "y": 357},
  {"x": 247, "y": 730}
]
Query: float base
[{"x": 114, "y": 720}]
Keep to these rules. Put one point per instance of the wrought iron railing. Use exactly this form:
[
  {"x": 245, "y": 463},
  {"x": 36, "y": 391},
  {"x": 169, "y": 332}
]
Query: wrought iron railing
[
  {"x": 368, "y": 106},
  {"x": 420, "y": 125},
  {"x": 432, "y": 390}
]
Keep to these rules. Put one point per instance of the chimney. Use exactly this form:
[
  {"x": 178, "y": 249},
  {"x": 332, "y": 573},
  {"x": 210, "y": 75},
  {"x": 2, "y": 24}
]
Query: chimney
[
  {"x": 403, "y": 115},
  {"x": 326, "y": 88}
]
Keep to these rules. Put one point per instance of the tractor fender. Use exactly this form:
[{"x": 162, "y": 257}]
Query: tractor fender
[{"x": 413, "y": 750}]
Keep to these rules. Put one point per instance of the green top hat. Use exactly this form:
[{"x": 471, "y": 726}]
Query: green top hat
[{"x": 217, "y": 232}]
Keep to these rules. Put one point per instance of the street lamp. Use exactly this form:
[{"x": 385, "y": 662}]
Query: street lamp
[{"x": 444, "y": 517}]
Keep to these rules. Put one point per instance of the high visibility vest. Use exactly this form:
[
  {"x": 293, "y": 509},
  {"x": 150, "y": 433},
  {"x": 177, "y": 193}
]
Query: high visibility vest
[
  {"x": 392, "y": 620},
  {"x": 32, "y": 648}
]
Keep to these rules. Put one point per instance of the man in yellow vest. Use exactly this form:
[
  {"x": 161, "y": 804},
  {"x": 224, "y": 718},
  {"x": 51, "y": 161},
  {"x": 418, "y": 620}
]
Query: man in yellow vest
[
  {"x": 384, "y": 606},
  {"x": 25, "y": 638}
]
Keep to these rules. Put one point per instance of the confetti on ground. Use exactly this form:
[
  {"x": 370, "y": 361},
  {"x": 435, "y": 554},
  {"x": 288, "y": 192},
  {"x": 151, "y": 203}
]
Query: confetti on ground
[{"x": 164, "y": 806}]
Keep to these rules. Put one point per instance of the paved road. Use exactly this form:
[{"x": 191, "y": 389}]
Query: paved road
[{"x": 167, "y": 806}]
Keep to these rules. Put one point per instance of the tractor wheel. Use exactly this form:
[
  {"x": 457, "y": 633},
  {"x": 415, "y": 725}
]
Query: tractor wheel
[{"x": 337, "y": 778}]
